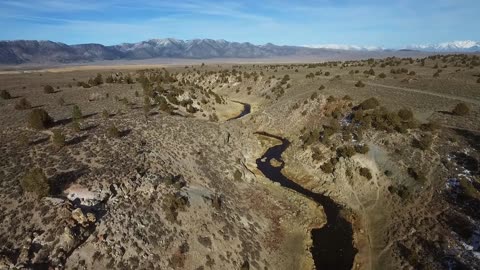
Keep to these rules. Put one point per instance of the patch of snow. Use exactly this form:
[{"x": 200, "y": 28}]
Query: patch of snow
[
  {"x": 84, "y": 196},
  {"x": 452, "y": 183}
]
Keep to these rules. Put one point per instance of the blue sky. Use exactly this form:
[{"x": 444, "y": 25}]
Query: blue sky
[{"x": 384, "y": 23}]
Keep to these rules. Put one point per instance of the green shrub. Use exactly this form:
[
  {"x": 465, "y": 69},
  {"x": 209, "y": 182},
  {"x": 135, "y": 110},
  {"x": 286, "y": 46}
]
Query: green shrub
[
  {"x": 23, "y": 104},
  {"x": 48, "y": 89},
  {"x": 417, "y": 174},
  {"x": 361, "y": 148},
  {"x": 400, "y": 190},
  {"x": 469, "y": 188},
  {"x": 191, "y": 109},
  {"x": 113, "y": 132},
  {"x": 424, "y": 143},
  {"x": 405, "y": 114},
  {"x": 36, "y": 181},
  {"x": 310, "y": 137},
  {"x": 316, "y": 153},
  {"x": 83, "y": 84},
  {"x": 105, "y": 114},
  {"x": 129, "y": 79},
  {"x": 98, "y": 79},
  {"x": 461, "y": 109},
  {"x": 337, "y": 113},
  {"x": 359, "y": 84},
  {"x": 172, "y": 204},
  {"x": 345, "y": 151},
  {"x": 237, "y": 175},
  {"x": 327, "y": 167},
  {"x": 430, "y": 126},
  {"x": 5, "y": 94},
  {"x": 109, "y": 79},
  {"x": 382, "y": 75},
  {"x": 76, "y": 113},
  {"x": 330, "y": 129},
  {"x": 58, "y": 138},
  {"x": 365, "y": 172},
  {"x": 39, "y": 119},
  {"x": 369, "y": 104}
]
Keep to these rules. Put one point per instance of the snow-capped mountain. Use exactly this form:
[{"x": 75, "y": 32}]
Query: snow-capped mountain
[
  {"x": 32, "y": 51},
  {"x": 345, "y": 47},
  {"x": 454, "y": 46}
]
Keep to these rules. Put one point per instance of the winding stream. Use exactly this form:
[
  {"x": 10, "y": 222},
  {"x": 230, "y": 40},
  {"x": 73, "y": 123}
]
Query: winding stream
[
  {"x": 333, "y": 243},
  {"x": 246, "y": 110}
]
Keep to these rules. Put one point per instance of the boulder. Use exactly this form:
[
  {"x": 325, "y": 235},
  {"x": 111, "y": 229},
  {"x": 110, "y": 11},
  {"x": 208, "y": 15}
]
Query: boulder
[
  {"x": 79, "y": 217},
  {"x": 91, "y": 218}
]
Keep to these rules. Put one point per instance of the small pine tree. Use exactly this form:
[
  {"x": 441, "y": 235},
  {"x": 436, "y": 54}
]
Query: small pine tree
[
  {"x": 36, "y": 181},
  {"x": 58, "y": 139},
  {"x": 76, "y": 113}
]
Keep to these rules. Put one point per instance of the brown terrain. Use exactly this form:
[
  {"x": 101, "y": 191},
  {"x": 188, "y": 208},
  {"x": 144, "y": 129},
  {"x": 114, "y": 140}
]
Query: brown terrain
[{"x": 151, "y": 167}]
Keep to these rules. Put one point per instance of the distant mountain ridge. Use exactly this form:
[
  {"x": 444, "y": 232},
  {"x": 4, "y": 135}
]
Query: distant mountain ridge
[
  {"x": 454, "y": 46},
  {"x": 33, "y": 51},
  {"x": 44, "y": 51}
]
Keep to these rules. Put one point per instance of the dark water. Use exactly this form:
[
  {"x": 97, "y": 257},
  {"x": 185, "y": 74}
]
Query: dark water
[
  {"x": 333, "y": 243},
  {"x": 246, "y": 110}
]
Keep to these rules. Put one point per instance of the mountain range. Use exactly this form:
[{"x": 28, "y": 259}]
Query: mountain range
[
  {"x": 40, "y": 52},
  {"x": 455, "y": 46}
]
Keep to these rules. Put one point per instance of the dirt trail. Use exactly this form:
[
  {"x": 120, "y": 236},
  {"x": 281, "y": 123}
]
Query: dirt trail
[{"x": 447, "y": 96}]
